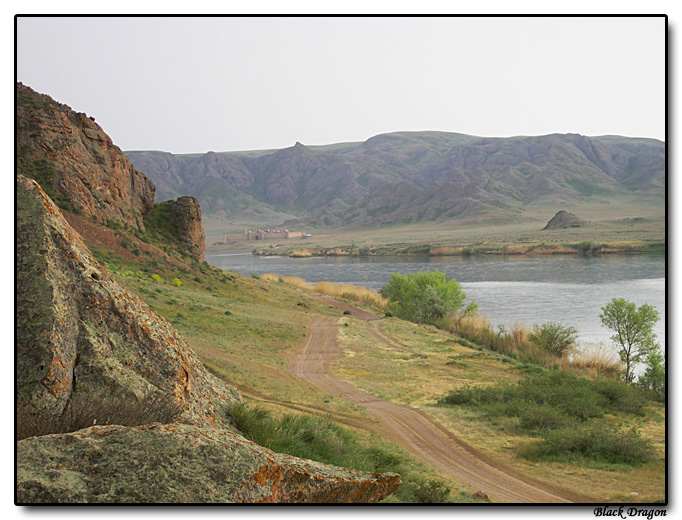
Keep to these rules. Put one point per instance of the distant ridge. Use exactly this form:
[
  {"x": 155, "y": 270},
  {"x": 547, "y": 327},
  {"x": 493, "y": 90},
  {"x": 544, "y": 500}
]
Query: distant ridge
[{"x": 409, "y": 177}]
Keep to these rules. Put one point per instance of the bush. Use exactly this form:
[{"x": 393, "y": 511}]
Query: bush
[
  {"x": 176, "y": 282},
  {"x": 597, "y": 442},
  {"x": 157, "y": 278},
  {"x": 550, "y": 399},
  {"x": 553, "y": 337},
  {"x": 424, "y": 297}
]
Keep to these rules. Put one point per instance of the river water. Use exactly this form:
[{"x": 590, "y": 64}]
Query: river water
[{"x": 508, "y": 289}]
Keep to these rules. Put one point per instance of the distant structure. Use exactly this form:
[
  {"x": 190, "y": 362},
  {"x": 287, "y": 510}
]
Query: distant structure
[{"x": 262, "y": 234}]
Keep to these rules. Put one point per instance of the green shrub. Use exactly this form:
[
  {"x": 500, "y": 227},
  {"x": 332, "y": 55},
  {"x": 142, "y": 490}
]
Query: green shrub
[
  {"x": 553, "y": 337},
  {"x": 652, "y": 380},
  {"x": 550, "y": 399},
  {"x": 622, "y": 397},
  {"x": 425, "y": 297},
  {"x": 597, "y": 442}
]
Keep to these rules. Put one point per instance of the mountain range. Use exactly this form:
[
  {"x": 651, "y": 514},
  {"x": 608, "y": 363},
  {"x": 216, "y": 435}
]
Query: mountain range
[{"x": 410, "y": 177}]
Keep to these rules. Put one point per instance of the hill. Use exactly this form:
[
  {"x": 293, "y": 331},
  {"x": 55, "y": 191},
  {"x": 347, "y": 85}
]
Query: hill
[
  {"x": 112, "y": 403},
  {"x": 410, "y": 177}
]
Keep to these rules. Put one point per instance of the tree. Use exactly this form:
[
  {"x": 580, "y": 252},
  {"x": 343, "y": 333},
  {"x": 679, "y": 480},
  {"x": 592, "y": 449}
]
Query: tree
[
  {"x": 425, "y": 297},
  {"x": 554, "y": 337},
  {"x": 653, "y": 378},
  {"x": 633, "y": 331}
]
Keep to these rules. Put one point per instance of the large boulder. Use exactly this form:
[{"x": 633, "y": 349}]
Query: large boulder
[
  {"x": 81, "y": 337},
  {"x": 187, "y": 213},
  {"x": 183, "y": 464},
  {"x": 77, "y": 163}
]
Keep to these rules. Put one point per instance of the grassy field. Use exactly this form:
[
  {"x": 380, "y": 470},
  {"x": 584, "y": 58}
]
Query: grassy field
[
  {"x": 243, "y": 328},
  {"x": 615, "y": 223}
]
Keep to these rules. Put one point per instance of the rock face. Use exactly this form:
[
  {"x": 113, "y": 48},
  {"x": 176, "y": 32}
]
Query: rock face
[
  {"x": 187, "y": 216},
  {"x": 80, "y": 332},
  {"x": 180, "y": 463},
  {"x": 81, "y": 335},
  {"x": 77, "y": 163},
  {"x": 564, "y": 220}
]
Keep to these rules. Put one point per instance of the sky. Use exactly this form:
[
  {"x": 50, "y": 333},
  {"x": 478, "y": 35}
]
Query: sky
[{"x": 188, "y": 85}]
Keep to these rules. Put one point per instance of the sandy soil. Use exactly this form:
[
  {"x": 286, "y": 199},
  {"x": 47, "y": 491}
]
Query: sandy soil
[{"x": 413, "y": 429}]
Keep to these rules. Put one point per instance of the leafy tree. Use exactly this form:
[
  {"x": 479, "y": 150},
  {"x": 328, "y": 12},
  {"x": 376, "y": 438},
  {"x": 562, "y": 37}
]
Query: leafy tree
[
  {"x": 425, "y": 297},
  {"x": 633, "y": 331},
  {"x": 653, "y": 378},
  {"x": 554, "y": 337}
]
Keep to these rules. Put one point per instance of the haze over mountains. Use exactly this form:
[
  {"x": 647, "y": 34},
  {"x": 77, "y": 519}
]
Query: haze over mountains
[{"x": 410, "y": 177}]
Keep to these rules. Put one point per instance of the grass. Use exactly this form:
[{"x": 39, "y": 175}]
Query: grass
[
  {"x": 347, "y": 291},
  {"x": 322, "y": 440},
  {"x": 242, "y": 329},
  {"x": 618, "y": 226},
  {"x": 567, "y": 412}
]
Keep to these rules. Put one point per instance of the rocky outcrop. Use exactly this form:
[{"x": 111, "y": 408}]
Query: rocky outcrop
[
  {"x": 80, "y": 336},
  {"x": 564, "y": 220},
  {"x": 187, "y": 216},
  {"x": 80, "y": 332},
  {"x": 77, "y": 163},
  {"x": 182, "y": 464}
]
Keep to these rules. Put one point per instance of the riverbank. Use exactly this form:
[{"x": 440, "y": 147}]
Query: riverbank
[{"x": 584, "y": 248}]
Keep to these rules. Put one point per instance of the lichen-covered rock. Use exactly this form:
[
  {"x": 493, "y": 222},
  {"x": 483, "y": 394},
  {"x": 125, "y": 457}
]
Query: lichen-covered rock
[
  {"x": 80, "y": 332},
  {"x": 180, "y": 464},
  {"x": 80, "y": 335},
  {"x": 564, "y": 220},
  {"x": 77, "y": 163},
  {"x": 187, "y": 213}
]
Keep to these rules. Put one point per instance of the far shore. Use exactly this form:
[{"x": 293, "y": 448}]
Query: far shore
[{"x": 585, "y": 248}]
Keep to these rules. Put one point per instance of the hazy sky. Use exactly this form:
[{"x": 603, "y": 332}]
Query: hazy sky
[{"x": 197, "y": 84}]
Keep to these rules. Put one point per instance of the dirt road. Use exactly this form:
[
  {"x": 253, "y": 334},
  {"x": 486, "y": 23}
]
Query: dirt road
[{"x": 416, "y": 431}]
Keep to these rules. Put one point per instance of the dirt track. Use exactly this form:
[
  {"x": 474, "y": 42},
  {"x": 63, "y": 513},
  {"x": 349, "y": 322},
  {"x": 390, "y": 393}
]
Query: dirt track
[{"x": 416, "y": 431}]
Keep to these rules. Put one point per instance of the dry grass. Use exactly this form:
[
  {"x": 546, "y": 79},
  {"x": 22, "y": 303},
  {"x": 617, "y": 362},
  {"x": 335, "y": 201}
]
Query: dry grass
[
  {"x": 597, "y": 358},
  {"x": 301, "y": 253},
  {"x": 591, "y": 359},
  {"x": 445, "y": 251},
  {"x": 344, "y": 290}
]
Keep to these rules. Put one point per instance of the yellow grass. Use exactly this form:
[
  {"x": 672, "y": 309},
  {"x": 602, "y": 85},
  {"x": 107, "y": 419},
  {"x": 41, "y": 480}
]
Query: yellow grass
[
  {"x": 344, "y": 290},
  {"x": 301, "y": 253},
  {"x": 597, "y": 357},
  {"x": 445, "y": 251}
]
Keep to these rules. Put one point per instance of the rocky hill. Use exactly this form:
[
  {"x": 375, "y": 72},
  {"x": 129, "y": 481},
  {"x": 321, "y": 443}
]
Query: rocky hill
[
  {"x": 85, "y": 173},
  {"x": 412, "y": 177},
  {"x": 77, "y": 163},
  {"x": 112, "y": 404},
  {"x": 564, "y": 220},
  {"x": 86, "y": 344}
]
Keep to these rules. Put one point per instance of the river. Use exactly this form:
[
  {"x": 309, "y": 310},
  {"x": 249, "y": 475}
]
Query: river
[{"x": 508, "y": 289}]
